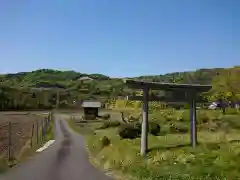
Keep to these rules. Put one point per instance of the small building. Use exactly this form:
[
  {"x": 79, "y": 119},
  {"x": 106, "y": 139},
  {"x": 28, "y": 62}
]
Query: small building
[
  {"x": 91, "y": 108},
  {"x": 85, "y": 79}
]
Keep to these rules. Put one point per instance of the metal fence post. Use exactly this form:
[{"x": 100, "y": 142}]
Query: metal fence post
[
  {"x": 37, "y": 131},
  {"x": 43, "y": 133},
  {"x": 46, "y": 124},
  {"x": 9, "y": 140},
  {"x": 49, "y": 117},
  {"x": 32, "y": 135}
]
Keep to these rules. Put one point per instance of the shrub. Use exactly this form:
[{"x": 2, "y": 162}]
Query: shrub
[
  {"x": 178, "y": 129},
  {"x": 182, "y": 129},
  {"x": 183, "y": 116},
  {"x": 173, "y": 128},
  {"x": 154, "y": 128},
  {"x": 180, "y": 118},
  {"x": 211, "y": 126},
  {"x": 129, "y": 131},
  {"x": 105, "y": 141},
  {"x": 109, "y": 124},
  {"x": 169, "y": 118},
  {"x": 137, "y": 125},
  {"x": 203, "y": 118}
]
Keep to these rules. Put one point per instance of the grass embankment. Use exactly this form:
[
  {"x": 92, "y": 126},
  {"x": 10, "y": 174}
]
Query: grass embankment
[
  {"x": 28, "y": 151},
  {"x": 170, "y": 156},
  {"x": 50, "y": 132},
  {"x": 3, "y": 166}
]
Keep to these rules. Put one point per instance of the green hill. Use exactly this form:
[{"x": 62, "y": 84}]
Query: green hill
[{"x": 18, "y": 89}]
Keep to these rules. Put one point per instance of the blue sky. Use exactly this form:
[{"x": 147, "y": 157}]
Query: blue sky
[{"x": 119, "y": 37}]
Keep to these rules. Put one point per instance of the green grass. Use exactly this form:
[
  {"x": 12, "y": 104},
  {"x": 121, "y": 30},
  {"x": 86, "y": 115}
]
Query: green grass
[
  {"x": 50, "y": 132},
  {"x": 3, "y": 166},
  {"x": 170, "y": 156}
]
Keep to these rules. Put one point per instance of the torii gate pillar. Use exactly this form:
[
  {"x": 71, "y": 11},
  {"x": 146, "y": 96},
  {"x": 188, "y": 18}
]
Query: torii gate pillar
[{"x": 144, "y": 134}]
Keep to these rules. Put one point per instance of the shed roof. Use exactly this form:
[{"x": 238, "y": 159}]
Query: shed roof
[
  {"x": 167, "y": 86},
  {"x": 85, "y": 78},
  {"x": 91, "y": 103}
]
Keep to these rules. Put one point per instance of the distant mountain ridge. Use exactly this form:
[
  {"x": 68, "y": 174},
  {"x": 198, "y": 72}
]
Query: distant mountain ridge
[
  {"x": 45, "y": 74},
  {"x": 70, "y": 79}
]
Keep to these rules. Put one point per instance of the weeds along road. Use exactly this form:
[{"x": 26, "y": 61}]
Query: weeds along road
[{"x": 65, "y": 159}]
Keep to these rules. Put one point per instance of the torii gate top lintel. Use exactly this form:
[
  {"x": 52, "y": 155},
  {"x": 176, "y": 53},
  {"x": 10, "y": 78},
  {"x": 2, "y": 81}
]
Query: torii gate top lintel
[{"x": 167, "y": 86}]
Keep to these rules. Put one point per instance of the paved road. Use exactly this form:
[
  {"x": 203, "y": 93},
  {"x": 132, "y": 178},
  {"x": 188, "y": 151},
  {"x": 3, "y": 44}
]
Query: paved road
[{"x": 66, "y": 159}]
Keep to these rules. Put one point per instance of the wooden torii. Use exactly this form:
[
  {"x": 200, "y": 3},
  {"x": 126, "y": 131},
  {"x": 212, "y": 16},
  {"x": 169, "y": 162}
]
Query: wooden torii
[
  {"x": 57, "y": 89},
  {"x": 186, "y": 93}
]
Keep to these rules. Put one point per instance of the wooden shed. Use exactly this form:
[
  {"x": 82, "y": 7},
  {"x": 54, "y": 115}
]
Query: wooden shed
[{"x": 91, "y": 108}]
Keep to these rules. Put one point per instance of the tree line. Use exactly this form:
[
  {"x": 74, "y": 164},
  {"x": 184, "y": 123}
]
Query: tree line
[{"x": 39, "y": 89}]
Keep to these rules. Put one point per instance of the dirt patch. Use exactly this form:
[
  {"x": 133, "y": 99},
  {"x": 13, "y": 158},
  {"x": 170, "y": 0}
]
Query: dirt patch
[
  {"x": 18, "y": 117},
  {"x": 16, "y": 130}
]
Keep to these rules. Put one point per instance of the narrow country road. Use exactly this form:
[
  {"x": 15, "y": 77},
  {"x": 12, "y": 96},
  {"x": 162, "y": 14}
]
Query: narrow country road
[{"x": 65, "y": 159}]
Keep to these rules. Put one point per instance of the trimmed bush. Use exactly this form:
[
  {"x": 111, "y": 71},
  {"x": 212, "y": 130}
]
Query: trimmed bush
[
  {"x": 129, "y": 131},
  {"x": 105, "y": 141},
  {"x": 154, "y": 128}
]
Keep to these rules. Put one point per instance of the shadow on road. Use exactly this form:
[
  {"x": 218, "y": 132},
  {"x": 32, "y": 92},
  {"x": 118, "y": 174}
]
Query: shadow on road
[{"x": 64, "y": 150}]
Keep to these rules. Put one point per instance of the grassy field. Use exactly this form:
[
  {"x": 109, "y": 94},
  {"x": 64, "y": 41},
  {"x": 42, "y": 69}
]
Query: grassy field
[
  {"x": 24, "y": 131},
  {"x": 170, "y": 156}
]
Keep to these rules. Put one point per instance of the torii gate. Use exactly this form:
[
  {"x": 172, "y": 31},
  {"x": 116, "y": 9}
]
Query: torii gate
[{"x": 186, "y": 93}]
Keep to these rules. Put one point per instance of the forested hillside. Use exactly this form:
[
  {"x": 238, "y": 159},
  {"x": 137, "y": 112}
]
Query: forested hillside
[{"x": 25, "y": 88}]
